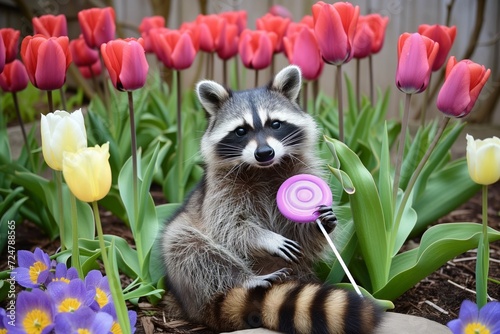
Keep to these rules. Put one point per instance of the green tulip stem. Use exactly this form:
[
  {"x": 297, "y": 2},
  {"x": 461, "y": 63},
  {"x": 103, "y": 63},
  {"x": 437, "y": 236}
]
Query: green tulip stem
[
  {"x": 50, "y": 102},
  {"x": 114, "y": 282},
  {"x": 23, "y": 130},
  {"x": 58, "y": 179},
  {"x": 401, "y": 148},
  {"x": 75, "y": 250},
  {"x": 340, "y": 103},
  {"x": 370, "y": 76},
  {"x": 358, "y": 85},
  {"x": 418, "y": 170},
  {"x": 63, "y": 99},
  {"x": 180, "y": 147},
  {"x": 256, "y": 79},
  {"x": 483, "y": 256},
  {"x": 133, "y": 150},
  {"x": 423, "y": 112}
]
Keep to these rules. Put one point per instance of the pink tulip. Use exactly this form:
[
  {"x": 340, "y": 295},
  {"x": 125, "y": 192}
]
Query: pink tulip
[
  {"x": 302, "y": 50},
  {"x": 146, "y": 25},
  {"x": 46, "y": 60},
  {"x": 174, "y": 48},
  {"x": 50, "y": 25},
  {"x": 97, "y": 25},
  {"x": 363, "y": 40},
  {"x": 378, "y": 25},
  {"x": 227, "y": 43},
  {"x": 416, "y": 54},
  {"x": 443, "y": 35},
  {"x": 464, "y": 81},
  {"x": 2, "y": 54},
  {"x": 14, "y": 77},
  {"x": 238, "y": 17},
  {"x": 126, "y": 63},
  {"x": 276, "y": 24},
  {"x": 81, "y": 53},
  {"x": 335, "y": 26},
  {"x": 209, "y": 28},
  {"x": 10, "y": 43},
  {"x": 256, "y": 48},
  {"x": 92, "y": 70}
]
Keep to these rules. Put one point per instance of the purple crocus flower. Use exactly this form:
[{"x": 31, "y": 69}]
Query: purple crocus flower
[
  {"x": 110, "y": 309},
  {"x": 63, "y": 274},
  {"x": 34, "y": 268},
  {"x": 95, "y": 281},
  {"x": 472, "y": 320},
  {"x": 69, "y": 297},
  {"x": 34, "y": 313},
  {"x": 83, "y": 320}
]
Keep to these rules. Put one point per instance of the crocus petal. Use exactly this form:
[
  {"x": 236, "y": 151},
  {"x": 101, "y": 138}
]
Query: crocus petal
[
  {"x": 489, "y": 316},
  {"x": 453, "y": 97}
]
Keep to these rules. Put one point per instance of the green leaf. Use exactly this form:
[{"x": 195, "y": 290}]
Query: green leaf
[
  {"x": 368, "y": 215},
  {"x": 438, "y": 245}
]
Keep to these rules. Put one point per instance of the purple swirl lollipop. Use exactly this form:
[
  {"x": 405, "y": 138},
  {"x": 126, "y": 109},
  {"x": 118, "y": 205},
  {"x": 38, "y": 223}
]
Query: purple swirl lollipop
[{"x": 300, "y": 196}]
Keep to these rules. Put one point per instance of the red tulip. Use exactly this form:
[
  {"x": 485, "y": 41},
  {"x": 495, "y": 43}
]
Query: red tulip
[
  {"x": 50, "y": 25},
  {"x": 308, "y": 20},
  {"x": 363, "y": 40},
  {"x": 238, "y": 17},
  {"x": 97, "y": 25},
  {"x": 194, "y": 30},
  {"x": 146, "y": 25},
  {"x": 335, "y": 26},
  {"x": 14, "y": 77},
  {"x": 126, "y": 63},
  {"x": 11, "y": 41},
  {"x": 464, "y": 81},
  {"x": 302, "y": 50},
  {"x": 92, "y": 70},
  {"x": 209, "y": 28},
  {"x": 82, "y": 55},
  {"x": 174, "y": 48},
  {"x": 378, "y": 25},
  {"x": 416, "y": 54},
  {"x": 276, "y": 24},
  {"x": 443, "y": 35},
  {"x": 227, "y": 43},
  {"x": 256, "y": 48},
  {"x": 46, "y": 60}
]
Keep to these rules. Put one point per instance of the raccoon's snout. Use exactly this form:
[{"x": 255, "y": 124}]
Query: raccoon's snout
[{"x": 264, "y": 153}]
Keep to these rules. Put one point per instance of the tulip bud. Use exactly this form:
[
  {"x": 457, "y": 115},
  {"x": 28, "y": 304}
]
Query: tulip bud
[
  {"x": 256, "y": 48},
  {"x": 483, "y": 159},
  {"x": 97, "y": 25},
  {"x": 443, "y": 35},
  {"x": 14, "y": 77},
  {"x": 126, "y": 63},
  {"x": 87, "y": 172},
  {"x": 50, "y": 25},
  {"x": 10, "y": 39},
  {"x": 61, "y": 131},
  {"x": 464, "y": 81},
  {"x": 302, "y": 50},
  {"x": 416, "y": 54}
]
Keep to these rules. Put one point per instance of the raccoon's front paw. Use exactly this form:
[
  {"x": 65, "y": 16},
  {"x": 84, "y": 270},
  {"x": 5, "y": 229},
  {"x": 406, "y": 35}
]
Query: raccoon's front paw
[
  {"x": 327, "y": 218},
  {"x": 282, "y": 247},
  {"x": 265, "y": 281}
]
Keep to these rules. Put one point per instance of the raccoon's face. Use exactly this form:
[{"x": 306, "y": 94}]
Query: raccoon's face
[{"x": 256, "y": 127}]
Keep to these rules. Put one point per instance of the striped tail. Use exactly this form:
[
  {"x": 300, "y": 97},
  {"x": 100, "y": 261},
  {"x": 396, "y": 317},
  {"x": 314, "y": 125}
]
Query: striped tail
[{"x": 293, "y": 307}]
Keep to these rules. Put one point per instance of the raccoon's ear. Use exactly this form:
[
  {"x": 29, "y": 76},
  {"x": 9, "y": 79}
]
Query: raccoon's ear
[
  {"x": 288, "y": 82},
  {"x": 211, "y": 95}
]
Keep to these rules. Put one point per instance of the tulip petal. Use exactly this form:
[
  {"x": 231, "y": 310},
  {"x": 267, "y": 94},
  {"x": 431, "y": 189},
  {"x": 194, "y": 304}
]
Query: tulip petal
[
  {"x": 332, "y": 39},
  {"x": 306, "y": 55},
  {"x": 453, "y": 97},
  {"x": 134, "y": 66},
  {"x": 412, "y": 74},
  {"x": 50, "y": 71},
  {"x": 184, "y": 52}
]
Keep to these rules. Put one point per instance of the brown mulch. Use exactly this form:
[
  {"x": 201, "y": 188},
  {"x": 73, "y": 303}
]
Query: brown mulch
[{"x": 437, "y": 297}]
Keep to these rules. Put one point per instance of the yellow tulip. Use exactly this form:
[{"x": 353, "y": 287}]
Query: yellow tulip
[
  {"x": 61, "y": 132},
  {"x": 483, "y": 159},
  {"x": 88, "y": 173}
]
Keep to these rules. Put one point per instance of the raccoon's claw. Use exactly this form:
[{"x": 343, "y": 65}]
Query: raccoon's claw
[
  {"x": 265, "y": 281},
  {"x": 327, "y": 218},
  {"x": 282, "y": 247}
]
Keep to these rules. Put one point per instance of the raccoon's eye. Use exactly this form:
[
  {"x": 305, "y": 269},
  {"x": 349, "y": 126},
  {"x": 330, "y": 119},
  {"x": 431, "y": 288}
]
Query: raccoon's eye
[
  {"x": 276, "y": 125},
  {"x": 240, "y": 132}
]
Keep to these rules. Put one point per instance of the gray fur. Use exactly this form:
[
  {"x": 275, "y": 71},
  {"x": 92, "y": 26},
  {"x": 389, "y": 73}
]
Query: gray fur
[{"x": 229, "y": 233}]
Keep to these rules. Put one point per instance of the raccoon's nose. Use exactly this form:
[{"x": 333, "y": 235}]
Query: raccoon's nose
[{"x": 264, "y": 153}]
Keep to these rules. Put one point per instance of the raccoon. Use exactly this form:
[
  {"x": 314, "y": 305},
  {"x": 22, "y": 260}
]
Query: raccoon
[{"x": 232, "y": 260}]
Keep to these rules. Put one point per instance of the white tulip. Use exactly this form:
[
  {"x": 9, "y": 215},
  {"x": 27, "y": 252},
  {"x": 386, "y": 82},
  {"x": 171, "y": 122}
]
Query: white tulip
[{"x": 483, "y": 159}]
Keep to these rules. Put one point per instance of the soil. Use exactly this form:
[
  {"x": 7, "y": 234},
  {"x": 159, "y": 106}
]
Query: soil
[{"x": 437, "y": 297}]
